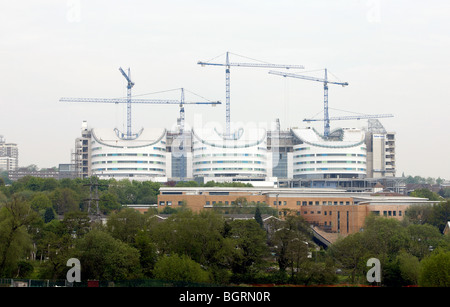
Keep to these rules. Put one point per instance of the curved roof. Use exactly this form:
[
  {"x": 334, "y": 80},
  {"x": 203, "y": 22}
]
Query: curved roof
[
  {"x": 345, "y": 138},
  {"x": 111, "y": 137},
  {"x": 241, "y": 138}
]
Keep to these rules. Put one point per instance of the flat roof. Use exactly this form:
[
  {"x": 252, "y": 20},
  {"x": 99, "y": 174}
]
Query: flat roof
[{"x": 360, "y": 197}]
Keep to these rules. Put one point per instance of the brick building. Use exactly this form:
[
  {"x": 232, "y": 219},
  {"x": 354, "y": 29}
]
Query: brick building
[{"x": 330, "y": 210}]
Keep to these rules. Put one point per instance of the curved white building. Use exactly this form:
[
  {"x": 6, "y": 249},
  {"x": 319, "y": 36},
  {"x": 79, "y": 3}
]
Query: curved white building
[
  {"x": 242, "y": 155},
  {"x": 343, "y": 155},
  {"x": 138, "y": 158}
]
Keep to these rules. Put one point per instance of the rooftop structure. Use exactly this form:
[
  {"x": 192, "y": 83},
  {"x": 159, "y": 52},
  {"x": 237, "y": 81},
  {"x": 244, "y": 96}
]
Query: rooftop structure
[
  {"x": 341, "y": 155},
  {"x": 140, "y": 158},
  {"x": 243, "y": 154}
]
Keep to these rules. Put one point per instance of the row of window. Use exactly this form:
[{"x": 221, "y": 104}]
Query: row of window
[
  {"x": 302, "y": 148},
  {"x": 169, "y": 203},
  {"x": 314, "y": 203},
  {"x": 330, "y": 155},
  {"x": 224, "y": 161},
  {"x": 308, "y": 148},
  {"x": 230, "y": 169},
  {"x": 128, "y": 155},
  {"x": 128, "y": 169},
  {"x": 224, "y": 146},
  {"x": 229, "y": 155},
  {"x": 146, "y": 162},
  {"x": 389, "y": 213},
  {"x": 329, "y": 169},
  {"x": 281, "y": 203},
  {"x": 330, "y": 161}
]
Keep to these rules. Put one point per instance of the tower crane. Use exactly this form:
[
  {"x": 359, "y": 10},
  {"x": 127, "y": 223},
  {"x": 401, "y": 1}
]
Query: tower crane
[
  {"x": 325, "y": 82},
  {"x": 326, "y": 118},
  {"x": 181, "y": 103},
  {"x": 181, "y": 145},
  {"x": 129, "y": 86},
  {"x": 129, "y": 101},
  {"x": 358, "y": 117},
  {"x": 227, "y": 65}
]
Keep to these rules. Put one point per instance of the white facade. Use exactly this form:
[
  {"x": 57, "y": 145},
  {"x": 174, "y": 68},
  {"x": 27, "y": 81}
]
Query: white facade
[
  {"x": 343, "y": 155},
  {"x": 8, "y": 164},
  {"x": 242, "y": 155},
  {"x": 142, "y": 158},
  {"x": 9, "y": 155}
]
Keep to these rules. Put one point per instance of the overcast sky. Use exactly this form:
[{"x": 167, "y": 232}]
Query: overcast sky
[{"x": 394, "y": 55}]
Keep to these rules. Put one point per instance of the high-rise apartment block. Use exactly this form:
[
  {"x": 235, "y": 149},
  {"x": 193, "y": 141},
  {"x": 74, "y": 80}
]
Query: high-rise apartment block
[
  {"x": 82, "y": 156},
  {"x": 9, "y": 156}
]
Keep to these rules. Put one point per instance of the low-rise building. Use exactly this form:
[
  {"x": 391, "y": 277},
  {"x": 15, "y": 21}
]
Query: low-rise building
[{"x": 331, "y": 210}]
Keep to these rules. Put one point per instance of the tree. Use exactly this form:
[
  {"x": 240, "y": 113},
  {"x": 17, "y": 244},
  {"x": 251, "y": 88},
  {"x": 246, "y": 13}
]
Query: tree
[
  {"x": 15, "y": 216},
  {"x": 108, "y": 202},
  {"x": 197, "y": 235},
  {"x": 258, "y": 217},
  {"x": 409, "y": 267},
  {"x": 53, "y": 244},
  {"x": 435, "y": 270},
  {"x": 384, "y": 237},
  {"x": 148, "y": 253},
  {"x": 425, "y": 193},
  {"x": 64, "y": 200},
  {"x": 180, "y": 268},
  {"x": 441, "y": 215},
  {"x": 423, "y": 238},
  {"x": 104, "y": 258},
  {"x": 76, "y": 223},
  {"x": 49, "y": 215},
  {"x": 40, "y": 201},
  {"x": 125, "y": 225},
  {"x": 290, "y": 240},
  {"x": 350, "y": 254},
  {"x": 419, "y": 214},
  {"x": 251, "y": 248}
]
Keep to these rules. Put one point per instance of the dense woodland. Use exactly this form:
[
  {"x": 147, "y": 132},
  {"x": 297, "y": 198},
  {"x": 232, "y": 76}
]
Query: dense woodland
[{"x": 44, "y": 222}]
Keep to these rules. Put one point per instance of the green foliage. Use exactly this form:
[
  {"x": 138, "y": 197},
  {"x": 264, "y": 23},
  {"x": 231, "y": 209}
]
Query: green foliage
[
  {"x": 435, "y": 270},
  {"x": 104, "y": 258},
  {"x": 210, "y": 248},
  {"x": 422, "y": 180},
  {"x": 425, "y": 193},
  {"x": 15, "y": 241},
  {"x": 251, "y": 248},
  {"x": 49, "y": 215},
  {"x": 198, "y": 236},
  {"x": 409, "y": 267},
  {"x": 180, "y": 268},
  {"x": 125, "y": 225},
  {"x": 40, "y": 201},
  {"x": 290, "y": 242},
  {"x": 258, "y": 217}
]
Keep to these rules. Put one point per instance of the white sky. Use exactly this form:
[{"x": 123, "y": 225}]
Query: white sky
[{"x": 394, "y": 55}]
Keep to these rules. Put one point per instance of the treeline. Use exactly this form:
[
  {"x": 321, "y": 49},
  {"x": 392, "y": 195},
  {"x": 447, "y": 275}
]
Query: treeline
[
  {"x": 191, "y": 247},
  {"x": 422, "y": 180},
  {"x": 51, "y": 197},
  {"x": 204, "y": 247},
  {"x": 412, "y": 252}
]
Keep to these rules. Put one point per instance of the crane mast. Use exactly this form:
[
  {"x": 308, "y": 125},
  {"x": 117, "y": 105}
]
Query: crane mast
[
  {"x": 130, "y": 85},
  {"x": 227, "y": 66},
  {"x": 130, "y": 101},
  {"x": 325, "y": 81}
]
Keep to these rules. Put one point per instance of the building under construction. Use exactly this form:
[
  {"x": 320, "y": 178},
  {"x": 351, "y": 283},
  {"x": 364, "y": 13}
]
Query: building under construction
[{"x": 292, "y": 157}]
